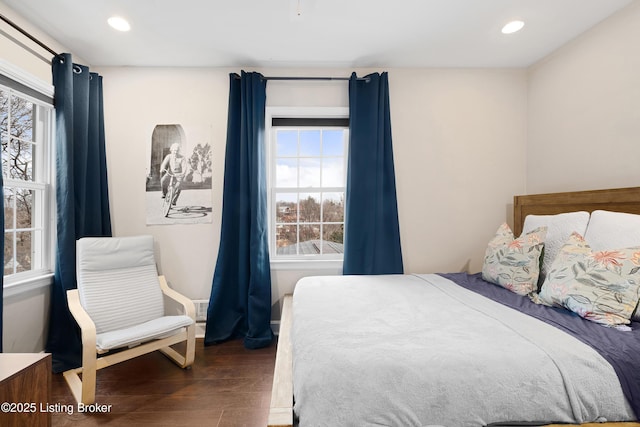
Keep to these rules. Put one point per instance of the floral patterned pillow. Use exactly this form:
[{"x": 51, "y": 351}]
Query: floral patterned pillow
[
  {"x": 602, "y": 286},
  {"x": 513, "y": 263}
]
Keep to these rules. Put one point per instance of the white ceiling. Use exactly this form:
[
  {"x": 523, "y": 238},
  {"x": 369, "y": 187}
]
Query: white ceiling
[{"x": 327, "y": 33}]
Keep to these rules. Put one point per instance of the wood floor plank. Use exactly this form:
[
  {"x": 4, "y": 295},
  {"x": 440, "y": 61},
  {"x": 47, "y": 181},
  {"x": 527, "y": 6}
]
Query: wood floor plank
[{"x": 227, "y": 386}]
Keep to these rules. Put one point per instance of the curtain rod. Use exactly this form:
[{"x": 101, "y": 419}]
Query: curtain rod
[
  {"x": 316, "y": 78},
  {"x": 29, "y": 36},
  {"x": 306, "y": 78},
  {"x": 310, "y": 78}
]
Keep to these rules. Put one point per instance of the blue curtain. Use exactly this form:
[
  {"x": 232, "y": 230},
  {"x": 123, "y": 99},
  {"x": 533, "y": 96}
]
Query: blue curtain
[
  {"x": 81, "y": 194},
  {"x": 372, "y": 232},
  {"x": 240, "y": 303}
]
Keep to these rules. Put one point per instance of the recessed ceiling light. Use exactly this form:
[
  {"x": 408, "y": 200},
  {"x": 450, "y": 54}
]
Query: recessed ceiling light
[
  {"x": 512, "y": 27},
  {"x": 119, "y": 23}
]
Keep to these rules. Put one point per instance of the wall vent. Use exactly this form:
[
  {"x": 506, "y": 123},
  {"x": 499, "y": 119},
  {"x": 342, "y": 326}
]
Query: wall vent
[{"x": 201, "y": 309}]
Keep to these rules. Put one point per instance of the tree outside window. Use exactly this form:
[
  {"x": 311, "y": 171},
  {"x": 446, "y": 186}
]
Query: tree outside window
[{"x": 22, "y": 190}]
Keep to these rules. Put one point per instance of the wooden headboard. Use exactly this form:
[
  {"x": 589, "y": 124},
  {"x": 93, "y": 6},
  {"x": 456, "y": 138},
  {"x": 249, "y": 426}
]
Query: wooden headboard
[{"x": 617, "y": 199}]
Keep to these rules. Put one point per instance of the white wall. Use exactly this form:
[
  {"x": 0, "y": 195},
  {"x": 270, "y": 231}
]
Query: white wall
[
  {"x": 584, "y": 110},
  {"x": 25, "y": 321},
  {"x": 459, "y": 143}
]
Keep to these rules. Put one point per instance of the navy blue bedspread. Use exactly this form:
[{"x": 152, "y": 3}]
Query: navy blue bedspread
[{"x": 620, "y": 348}]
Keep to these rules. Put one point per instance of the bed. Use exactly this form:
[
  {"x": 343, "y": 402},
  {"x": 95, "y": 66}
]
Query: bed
[{"x": 411, "y": 350}]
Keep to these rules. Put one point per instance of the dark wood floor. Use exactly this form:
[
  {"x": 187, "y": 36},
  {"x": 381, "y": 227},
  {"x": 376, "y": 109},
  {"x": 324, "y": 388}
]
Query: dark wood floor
[{"x": 227, "y": 386}]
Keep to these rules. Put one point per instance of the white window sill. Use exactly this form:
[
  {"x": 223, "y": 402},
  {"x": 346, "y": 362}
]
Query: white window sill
[
  {"x": 26, "y": 284},
  {"x": 303, "y": 264}
]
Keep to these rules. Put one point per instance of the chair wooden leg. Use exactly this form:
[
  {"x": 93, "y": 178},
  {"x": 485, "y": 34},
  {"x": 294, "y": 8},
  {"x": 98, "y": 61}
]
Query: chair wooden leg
[
  {"x": 89, "y": 383},
  {"x": 189, "y": 353},
  {"x": 83, "y": 390},
  {"x": 74, "y": 382}
]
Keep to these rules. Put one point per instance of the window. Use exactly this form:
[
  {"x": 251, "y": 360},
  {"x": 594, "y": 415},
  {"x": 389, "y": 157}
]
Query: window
[
  {"x": 25, "y": 133},
  {"x": 308, "y": 153}
]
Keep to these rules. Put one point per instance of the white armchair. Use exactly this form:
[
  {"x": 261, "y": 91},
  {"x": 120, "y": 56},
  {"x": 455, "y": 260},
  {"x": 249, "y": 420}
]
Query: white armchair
[{"x": 122, "y": 304}]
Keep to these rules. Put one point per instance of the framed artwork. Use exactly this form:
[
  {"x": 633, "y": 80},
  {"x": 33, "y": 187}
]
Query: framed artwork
[{"x": 178, "y": 185}]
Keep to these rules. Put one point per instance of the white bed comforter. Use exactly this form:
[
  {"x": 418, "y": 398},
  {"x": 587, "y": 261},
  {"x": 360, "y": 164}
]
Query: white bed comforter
[{"x": 420, "y": 350}]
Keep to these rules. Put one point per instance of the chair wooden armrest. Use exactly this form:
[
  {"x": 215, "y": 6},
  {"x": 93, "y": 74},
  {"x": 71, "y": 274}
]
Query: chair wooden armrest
[
  {"x": 83, "y": 393},
  {"x": 189, "y": 308},
  {"x": 87, "y": 327}
]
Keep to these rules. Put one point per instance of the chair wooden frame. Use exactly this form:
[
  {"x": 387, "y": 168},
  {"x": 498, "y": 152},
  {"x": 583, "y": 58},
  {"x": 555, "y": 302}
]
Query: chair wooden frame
[{"x": 84, "y": 390}]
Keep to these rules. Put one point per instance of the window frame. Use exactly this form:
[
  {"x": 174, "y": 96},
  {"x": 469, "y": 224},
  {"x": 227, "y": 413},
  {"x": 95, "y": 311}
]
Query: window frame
[
  {"x": 297, "y": 262},
  {"x": 21, "y": 83}
]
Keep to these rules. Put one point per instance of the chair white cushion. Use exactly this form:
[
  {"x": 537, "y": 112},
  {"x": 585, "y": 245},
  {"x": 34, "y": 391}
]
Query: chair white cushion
[
  {"x": 107, "y": 253},
  {"x": 118, "y": 281},
  {"x": 157, "y": 328}
]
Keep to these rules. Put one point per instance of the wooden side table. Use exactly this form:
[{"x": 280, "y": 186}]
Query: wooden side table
[{"x": 25, "y": 389}]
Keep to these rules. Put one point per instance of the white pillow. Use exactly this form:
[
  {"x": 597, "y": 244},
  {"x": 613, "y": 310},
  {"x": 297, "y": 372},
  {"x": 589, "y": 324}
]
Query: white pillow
[
  {"x": 611, "y": 230},
  {"x": 559, "y": 228}
]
